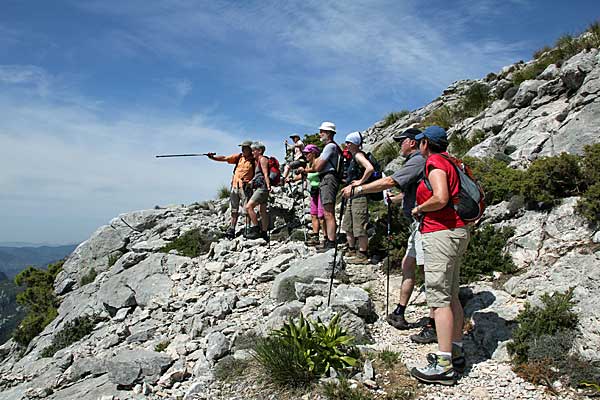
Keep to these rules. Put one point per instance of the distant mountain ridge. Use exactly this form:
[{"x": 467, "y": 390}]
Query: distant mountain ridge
[{"x": 15, "y": 259}]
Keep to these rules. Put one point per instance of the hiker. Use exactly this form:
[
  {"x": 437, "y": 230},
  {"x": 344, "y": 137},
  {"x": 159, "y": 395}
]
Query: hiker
[
  {"x": 262, "y": 186},
  {"x": 406, "y": 179},
  {"x": 316, "y": 207},
  {"x": 445, "y": 238},
  {"x": 327, "y": 165},
  {"x": 243, "y": 172},
  {"x": 356, "y": 216},
  {"x": 298, "y": 156}
]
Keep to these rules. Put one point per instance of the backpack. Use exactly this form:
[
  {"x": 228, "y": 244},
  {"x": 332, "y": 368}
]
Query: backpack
[
  {"x": 274, "y": 171},
  {"x": 469, "y": 203},
  {"x": 355, "y": 171},
  {"x": 340, "y": 167}
]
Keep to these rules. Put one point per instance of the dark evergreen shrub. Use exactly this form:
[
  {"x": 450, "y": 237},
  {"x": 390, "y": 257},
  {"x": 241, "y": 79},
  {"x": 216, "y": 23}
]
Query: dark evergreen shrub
[
  {"x": 589, "y": 204},
  {"x": 192, "y": 243},
  {"x": 499, "y": 181},
  {"x": 72, "y": 332},
  {"x": 88, "y": 278},
  {"x": 486, "y": 254},
  {"x": 551, "y": 178},
  {"x": 393, "y": 117},
  {"x": 460, "y": 145}
]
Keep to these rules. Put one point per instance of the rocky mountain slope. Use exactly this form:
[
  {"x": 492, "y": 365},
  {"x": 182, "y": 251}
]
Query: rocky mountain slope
[{"x": 164, "y": 323}]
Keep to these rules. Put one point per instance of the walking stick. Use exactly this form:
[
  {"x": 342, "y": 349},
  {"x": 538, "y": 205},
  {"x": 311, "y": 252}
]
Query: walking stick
[
  {"x": 303, "y": 206},
  {"x": 389, "y": 229},
  {"x": 343, "y": 205}
]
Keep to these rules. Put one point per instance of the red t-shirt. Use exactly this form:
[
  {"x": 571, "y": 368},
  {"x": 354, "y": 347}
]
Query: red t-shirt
[{"x": 445, "y": 218}]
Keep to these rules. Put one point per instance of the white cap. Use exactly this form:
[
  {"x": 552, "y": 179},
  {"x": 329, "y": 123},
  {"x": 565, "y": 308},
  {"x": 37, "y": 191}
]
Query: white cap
[
  {"x": 354, "y": 138},
  {"x": 327, "y": 126}
]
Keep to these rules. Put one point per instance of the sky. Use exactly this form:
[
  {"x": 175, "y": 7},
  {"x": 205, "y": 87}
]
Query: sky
[{"x": 91, "y": 91}]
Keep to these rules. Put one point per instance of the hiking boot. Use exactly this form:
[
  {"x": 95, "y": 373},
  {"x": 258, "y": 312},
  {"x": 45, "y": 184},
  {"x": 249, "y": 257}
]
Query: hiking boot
[
  {"x": 427, "y": 335},
  {"x": 265, "y": 235},
  {"x": 327, "y": 245},
  {"x": 359, "y": 258},
  {"x": 313, "y": 239},
  {"x": 350, "y": 253},
  {"x": 230, "y": 233},
  {"x": 458, "y": 359},
  {"x": 398, "y": 321},
  {"x": 438, "y": 370},
  {"x": 253, "y": 232}
]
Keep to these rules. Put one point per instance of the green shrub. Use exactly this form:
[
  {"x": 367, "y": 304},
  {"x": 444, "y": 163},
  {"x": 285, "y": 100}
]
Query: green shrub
[
  {"x": 389, "y": 358},
  {"x": 400, "y": 231},
  {"x": 591, "y": 163},
  {"x": 386, "y": 153},
  {"x": 460, "y": 145},
  {"x": 72, "y": 332},
  {"x": 486, "y": 254},
  {"x": 476, "y": 99},
  {"x": 555, "y": 316},
  {"x": 444, "y": 116},
  {"x": 589, "y": 204},
  {"x": 593, "y": 40},
  {"x": 312, "y": 139},
  {"x": 539, "y": 53},
  {"x": 499, "y": 181},
  {"x": 114, "y": 257},
  {"x": 301, "y": 352},
  {"x": 38, "y": 299},
  {"x": 192, "y": 243},
  {"x": 393, "y": 117},
  {"x": 224, "y": 192},
  {"x": 552, "y": 178},
  {"x": 88, "y": 278},
  {"x": 344, "y": 391},
  {"x": 162, "y": 346}
]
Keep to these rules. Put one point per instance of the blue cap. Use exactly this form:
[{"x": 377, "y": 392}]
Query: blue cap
[{"x": 435, "y": 133}]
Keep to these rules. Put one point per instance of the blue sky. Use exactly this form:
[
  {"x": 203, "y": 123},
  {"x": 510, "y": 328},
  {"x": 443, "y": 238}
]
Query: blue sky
[{"x": 91, "y": 90}]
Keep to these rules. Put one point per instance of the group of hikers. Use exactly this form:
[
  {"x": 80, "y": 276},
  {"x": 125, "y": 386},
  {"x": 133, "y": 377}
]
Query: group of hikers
[{"x": 429, "y": 184}]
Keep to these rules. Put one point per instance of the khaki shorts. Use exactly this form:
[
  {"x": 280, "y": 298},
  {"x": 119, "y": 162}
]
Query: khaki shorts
[
  {"x": 356, "y": 216},
  {"x": 237, "y": 198},
  {"x": 414, "y": 246},
  {"x": 260, "y": 196},
  {"x": 328, "y": 188},
  {"x": 443, "y": 251}
]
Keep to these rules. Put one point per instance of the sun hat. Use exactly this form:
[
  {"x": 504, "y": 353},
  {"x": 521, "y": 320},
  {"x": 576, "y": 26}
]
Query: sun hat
[
  {"x": 410, "y": 133},
  {"x": 435, "y": 133},
  {"x": 294, "y": 135},
  {"x": 327, "y": 126},
  {"x": 245, "y": 143},
  {"x": 354, "y": 138},
  {"x": 311, "y": 148}
]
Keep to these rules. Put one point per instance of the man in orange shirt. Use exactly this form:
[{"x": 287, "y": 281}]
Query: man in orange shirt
[{"x": 242, "y": 175}]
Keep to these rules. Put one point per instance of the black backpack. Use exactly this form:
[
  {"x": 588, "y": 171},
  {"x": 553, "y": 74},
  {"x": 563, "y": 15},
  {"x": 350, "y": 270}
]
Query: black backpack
[{"x": 355, "y": 171}]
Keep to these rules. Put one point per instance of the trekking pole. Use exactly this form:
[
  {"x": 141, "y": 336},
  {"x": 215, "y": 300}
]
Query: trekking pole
[
  {"x": 186, "y": 155},
  {"x": 343, "y": 205},
  {"x": 303, "y": 206},
  {"x": 389, "y": 254}
]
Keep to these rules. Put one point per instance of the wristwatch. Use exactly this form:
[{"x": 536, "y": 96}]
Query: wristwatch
[{"x": 359, "y": 189}]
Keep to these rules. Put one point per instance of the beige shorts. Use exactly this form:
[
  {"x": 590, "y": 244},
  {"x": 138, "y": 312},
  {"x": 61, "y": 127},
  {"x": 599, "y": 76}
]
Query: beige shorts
[
  {"x": 443, "y": 251},
  {"x": 356, "y": 216},
  {"x": 237, "y": 198}
]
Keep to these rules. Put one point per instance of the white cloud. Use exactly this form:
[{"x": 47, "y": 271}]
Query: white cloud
[
  {"x": 25, "y": 74},
  {"x": 62, "y": 160}
]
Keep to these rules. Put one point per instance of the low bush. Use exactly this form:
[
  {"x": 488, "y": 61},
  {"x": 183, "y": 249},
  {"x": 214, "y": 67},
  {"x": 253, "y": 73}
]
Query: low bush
[
  {"x": 460, "y": 145},
  {"x": 344, "y": 391},
  {"x": 589, "y": 204},
  {"x": 162, "y": 346},
  {"x": 444, "y": 116},
  {"x": 313, "y": 139},
  {"x": 591, "y": 163},
  {"x": 551, "y": 178},
  {"x": 499, "y": 181},
  {"x": 554, "y": 317},
  {"x": 302, "y": 351},
  {"x": 192, "y": 243},
  {"x": 88, "y": 278},
  {"x": 386, "y": 153},
  {"x": 224, "y": 192},
  {"x": 379, "y": 242},
  {"x": 393, "y": 117},
  {"x": 475, "y": 100},
  {"x": 113, "y": 258},
  {"x": 389, "y": 358},
  {"x": 72, "y": 332},
  {"x": 38, "y": 299},
  {"x": 486, "y": 254}
]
